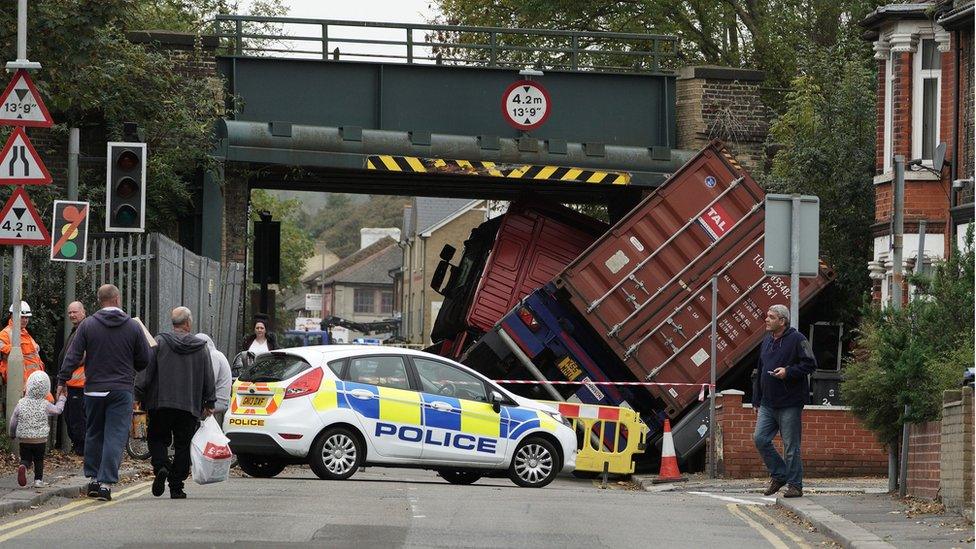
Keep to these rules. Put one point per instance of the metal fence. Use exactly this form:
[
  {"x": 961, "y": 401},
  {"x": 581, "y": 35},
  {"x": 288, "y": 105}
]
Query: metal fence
[
  {"x": 329, "y": 39},
  {"x": 155, "y": 274}
]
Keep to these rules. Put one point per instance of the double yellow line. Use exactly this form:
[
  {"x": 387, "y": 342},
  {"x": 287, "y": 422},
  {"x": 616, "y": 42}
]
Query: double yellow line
[
  {"x": 10, "y": 530},
  {"x": 766, "y": 533}
]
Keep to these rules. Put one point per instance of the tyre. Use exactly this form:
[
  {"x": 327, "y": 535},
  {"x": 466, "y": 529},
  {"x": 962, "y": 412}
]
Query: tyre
[
  {"x": 260, "y": 466},
  {"x": 534, "y": 464},
  {"x": 137, "y": 448},
  {"x": 336, "y": 454},
  {"x": 455, "y": 476}
]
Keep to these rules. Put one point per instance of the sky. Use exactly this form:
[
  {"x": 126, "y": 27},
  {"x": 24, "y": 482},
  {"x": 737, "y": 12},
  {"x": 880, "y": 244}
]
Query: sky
[{"x": 393, "y": 11}]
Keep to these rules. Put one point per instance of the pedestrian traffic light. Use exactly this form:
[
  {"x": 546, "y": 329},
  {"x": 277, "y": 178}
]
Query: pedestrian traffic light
[{"x": 125, "y": 192}]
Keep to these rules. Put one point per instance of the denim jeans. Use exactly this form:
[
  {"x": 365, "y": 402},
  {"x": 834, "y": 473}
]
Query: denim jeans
[
  {"x": 788, "y": 422},
  {"x": 106, "y": 432}
]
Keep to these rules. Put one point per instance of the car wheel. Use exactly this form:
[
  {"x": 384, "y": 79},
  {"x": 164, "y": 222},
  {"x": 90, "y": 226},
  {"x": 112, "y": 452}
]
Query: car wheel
[
  {"x": 534, "y": 463},
  {"x": 260, "y": 466},
  {"x": 455, "y": 476},
  {"x": 336, "y": 454}
]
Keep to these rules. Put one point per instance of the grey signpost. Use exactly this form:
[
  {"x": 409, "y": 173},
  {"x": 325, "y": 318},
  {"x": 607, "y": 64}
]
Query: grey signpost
[{"x": 792, "y": 242}]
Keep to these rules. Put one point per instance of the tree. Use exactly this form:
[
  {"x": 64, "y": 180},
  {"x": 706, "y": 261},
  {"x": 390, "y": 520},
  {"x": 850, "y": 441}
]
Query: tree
[
  {"x": 763, "y": 34},
  {"x": 910, "y": 356},
  {"x": 337, "y": 224},
  {"x": 825, "y": 139},
  {"x": 296, "y": 245}
]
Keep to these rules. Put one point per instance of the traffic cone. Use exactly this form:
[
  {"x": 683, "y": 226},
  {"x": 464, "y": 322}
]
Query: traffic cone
[{"x": 669, "y": 461}]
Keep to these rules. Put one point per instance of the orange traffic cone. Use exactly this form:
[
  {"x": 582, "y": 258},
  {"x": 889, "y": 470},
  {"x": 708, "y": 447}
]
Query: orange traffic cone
[{"x": 669, "y": 461}]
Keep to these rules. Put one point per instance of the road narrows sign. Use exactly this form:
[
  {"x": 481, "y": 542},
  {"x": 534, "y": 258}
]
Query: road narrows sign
[
  {"x": 21, "y": 104},
  {"x": 70, "y": 228},
  {"x": 526, "y": 105},
  {"x": 20, "y": 224},
  {"x": 19, "y": 162}
]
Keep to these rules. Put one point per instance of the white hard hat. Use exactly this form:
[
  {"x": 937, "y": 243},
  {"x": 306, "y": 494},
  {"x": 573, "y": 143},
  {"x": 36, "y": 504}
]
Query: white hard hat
[{"x": 25, "y": 309}]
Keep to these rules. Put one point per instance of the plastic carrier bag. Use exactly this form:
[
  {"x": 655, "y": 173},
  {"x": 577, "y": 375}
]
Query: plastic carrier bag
[{"x": 210, "y": 453}]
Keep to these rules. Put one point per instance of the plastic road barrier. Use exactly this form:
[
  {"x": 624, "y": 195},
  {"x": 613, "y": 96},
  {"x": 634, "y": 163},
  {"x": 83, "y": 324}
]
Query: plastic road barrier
[{"x": 605, "y": 436}]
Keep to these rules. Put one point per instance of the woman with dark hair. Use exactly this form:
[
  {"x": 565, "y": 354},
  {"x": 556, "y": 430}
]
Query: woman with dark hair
[{"x": 262, "y": 340}]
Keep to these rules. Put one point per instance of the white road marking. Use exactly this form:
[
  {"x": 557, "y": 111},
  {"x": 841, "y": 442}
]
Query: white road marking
[{"x": 732, "y": 499}]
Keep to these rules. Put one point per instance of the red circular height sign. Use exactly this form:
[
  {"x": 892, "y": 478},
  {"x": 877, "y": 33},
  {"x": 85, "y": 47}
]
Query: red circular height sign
[{"x": 526, "y": 105}]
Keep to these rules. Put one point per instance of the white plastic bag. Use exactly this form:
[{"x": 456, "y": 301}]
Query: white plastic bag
[{"x": 210, "y": 453}]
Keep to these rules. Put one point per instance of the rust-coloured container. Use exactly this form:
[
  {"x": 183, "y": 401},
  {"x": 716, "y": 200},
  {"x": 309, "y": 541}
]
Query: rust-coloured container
[
  {"x": 534, "y": 243},
  {"x": 645, "y": 286}
]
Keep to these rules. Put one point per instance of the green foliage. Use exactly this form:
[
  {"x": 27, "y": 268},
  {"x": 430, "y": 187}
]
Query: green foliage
[
  {"x": 910, "y": 356},
  {"x": 296, "y": 245},
  {"x": 337, "y": 224},
  {"x": 826, "y": 141},
  {"x": 736, "y": 33}
]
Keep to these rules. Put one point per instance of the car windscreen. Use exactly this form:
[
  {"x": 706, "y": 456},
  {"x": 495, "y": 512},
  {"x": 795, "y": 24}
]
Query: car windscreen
[{"x": 274, "y": 367}]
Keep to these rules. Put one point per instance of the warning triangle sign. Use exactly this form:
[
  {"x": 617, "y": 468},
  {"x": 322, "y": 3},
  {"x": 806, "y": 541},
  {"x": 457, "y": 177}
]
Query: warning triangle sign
[
  {"x": 21, "y": 104},
  {"x": 19, "y": 162},
  {"x": 20, "y": 224}
]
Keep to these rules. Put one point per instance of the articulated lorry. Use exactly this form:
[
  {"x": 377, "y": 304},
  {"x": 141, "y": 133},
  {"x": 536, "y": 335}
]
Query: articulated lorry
[{"x": 635, "y": 305}]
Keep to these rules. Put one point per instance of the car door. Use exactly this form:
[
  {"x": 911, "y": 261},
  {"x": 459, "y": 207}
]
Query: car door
[
  {"x": 378, "y": 389},
  {"x": 461, "y": 425}
]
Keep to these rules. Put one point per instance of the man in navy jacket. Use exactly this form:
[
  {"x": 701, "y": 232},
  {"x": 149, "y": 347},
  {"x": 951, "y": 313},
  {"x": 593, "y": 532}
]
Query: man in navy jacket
[{"x": 779, "y": 392}]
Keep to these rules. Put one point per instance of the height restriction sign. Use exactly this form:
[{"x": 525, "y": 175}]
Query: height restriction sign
[
  {"x": 526, "y": 105},
  {"x": 21, "y": 105}
]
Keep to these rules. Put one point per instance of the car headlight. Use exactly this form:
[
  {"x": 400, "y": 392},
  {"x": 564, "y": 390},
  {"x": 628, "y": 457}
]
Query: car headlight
[{"x": 559, "y": 418}]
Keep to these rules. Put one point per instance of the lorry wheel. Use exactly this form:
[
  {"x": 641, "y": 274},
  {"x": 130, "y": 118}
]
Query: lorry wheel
[
  {"x": 455, "y": 476},
  {"x": 260, "y": 466},
  {"x": 336, "y": 454},
  {"x": 534, "y": 464}
]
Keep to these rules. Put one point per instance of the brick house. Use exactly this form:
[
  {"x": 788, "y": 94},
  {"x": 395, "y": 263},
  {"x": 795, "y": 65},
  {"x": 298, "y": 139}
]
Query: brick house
[
  {"x": 925, "y": 97},
  {"x": 429, "y": 224}
]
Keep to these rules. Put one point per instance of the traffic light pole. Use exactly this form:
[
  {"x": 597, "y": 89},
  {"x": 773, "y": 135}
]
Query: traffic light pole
[{"x": 70, "y": 270}]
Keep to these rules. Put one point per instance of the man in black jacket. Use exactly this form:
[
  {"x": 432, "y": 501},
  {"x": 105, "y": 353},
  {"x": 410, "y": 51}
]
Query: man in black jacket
[
  {"x": 177, "y": 389},
  {"x": 113, "y": 348},
  {"x": 74, "y": 410},
  {"x": 779, "y": 393}
]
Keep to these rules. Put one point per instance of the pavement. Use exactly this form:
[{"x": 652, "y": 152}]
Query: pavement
[{"x": 853, "y": 512}]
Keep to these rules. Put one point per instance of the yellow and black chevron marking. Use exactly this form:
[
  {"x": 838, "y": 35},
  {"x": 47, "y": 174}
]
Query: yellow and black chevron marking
[{"x": 491, "y": 169}]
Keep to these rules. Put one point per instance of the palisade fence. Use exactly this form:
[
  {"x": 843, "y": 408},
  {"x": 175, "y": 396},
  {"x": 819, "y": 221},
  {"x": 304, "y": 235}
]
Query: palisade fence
[{"x": 154, "y": 275}]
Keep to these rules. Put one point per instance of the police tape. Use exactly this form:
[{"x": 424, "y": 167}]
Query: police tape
[{"x": 701, "y": 393}]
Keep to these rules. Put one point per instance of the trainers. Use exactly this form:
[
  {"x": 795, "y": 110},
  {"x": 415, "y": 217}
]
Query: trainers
[
  {"x": 177, "y": 493},
  {"x": 773, "y": 486},
  {"x": 92, "y": 489},
  {"x": 793, "y": 491},
  {"x": 38, "y": 483},
  {"x": 104, "y": 493},
  {"x": 22, "y": 475},
  {"x": 159, "y": 483}
]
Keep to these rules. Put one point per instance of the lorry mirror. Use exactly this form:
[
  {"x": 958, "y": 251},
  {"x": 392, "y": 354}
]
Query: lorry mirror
[
  {"x": 447, "y": 252},
  {"x": 496, "y": 399},
  {"x": 437, "y": 280}
]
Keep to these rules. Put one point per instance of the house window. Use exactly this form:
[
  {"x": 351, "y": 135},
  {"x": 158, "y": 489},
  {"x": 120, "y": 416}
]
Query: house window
[
  {"x": 386, "y": 302},
  {"x": 363, "y": 301},
  {"x": 888, "y": 111},
  {"x": 927, "y": 83}
]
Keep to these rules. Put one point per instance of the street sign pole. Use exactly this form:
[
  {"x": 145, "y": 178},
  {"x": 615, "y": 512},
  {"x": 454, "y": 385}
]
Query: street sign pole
[
  {"x": 22, "y": 62},
  {"x": 70, "y": 270},
  {"x": 795, "y": 263},
  {"x": 711, "y": 393},
  {"x": 15, "y": 362}
]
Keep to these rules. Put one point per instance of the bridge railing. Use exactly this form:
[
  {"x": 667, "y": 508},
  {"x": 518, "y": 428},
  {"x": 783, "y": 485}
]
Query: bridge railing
[{"x": 543, "y": 49}]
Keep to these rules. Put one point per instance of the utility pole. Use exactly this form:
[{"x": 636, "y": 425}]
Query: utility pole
[{"x": 897, "y": 236}]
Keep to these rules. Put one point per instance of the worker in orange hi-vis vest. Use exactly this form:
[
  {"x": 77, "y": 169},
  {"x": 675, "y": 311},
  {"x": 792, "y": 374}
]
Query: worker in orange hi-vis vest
[
  {"x": 32, "y": 356},
  {"x": 74, "y": 411}
]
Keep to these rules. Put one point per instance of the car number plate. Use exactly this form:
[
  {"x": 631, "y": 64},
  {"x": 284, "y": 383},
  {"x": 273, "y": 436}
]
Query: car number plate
[{"x": 254, "y": 401}]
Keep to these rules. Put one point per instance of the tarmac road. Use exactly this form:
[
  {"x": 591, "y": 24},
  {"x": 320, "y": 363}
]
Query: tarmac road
[{"x": 406, "y": 508}]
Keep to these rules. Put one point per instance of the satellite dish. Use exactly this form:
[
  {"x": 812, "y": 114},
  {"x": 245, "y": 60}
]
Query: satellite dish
[{"x": 938, "y": 159}]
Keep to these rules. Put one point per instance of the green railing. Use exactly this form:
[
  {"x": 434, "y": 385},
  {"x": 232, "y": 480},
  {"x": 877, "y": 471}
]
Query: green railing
[{"x": 446, "y": 44}]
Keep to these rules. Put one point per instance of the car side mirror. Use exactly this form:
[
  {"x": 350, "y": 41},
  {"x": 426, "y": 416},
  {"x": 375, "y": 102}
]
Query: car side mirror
[{"x": 496, "y": 400}]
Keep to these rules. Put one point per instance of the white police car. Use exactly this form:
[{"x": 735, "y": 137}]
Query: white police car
[{"x": 339, "y": 407}]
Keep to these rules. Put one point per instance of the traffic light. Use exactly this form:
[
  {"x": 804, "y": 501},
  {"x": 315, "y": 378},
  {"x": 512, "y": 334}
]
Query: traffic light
[
  {"x": 70, "y": 227},
  {"x": 267, "y": 250},
  {"x": 125, "y": 190}
]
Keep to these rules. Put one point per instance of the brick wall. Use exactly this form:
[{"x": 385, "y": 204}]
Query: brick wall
[
  {"x": 956, "y": 469},
  {"x": 834, "y": 442},
  {"x": 924, "y": 443},
  {"x": 722, "y": 103}
]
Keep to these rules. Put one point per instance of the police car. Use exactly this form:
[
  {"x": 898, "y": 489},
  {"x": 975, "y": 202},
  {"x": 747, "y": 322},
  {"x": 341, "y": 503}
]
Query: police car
[{"x": 340, "y": 407}]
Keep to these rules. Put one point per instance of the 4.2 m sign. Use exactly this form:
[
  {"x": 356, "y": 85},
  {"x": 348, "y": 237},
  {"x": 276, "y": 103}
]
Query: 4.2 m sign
[{"x": 526, "y": 105}]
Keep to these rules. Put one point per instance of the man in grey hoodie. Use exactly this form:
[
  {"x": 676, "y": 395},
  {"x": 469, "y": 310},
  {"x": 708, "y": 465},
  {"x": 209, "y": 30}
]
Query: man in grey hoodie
[
  {"x": 113, "y": 347},
  {"x": 177, "y": 389}
]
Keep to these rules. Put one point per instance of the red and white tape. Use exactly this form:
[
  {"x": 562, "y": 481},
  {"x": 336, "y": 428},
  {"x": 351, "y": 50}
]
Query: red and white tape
[{"x": 701, "y": 393}]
